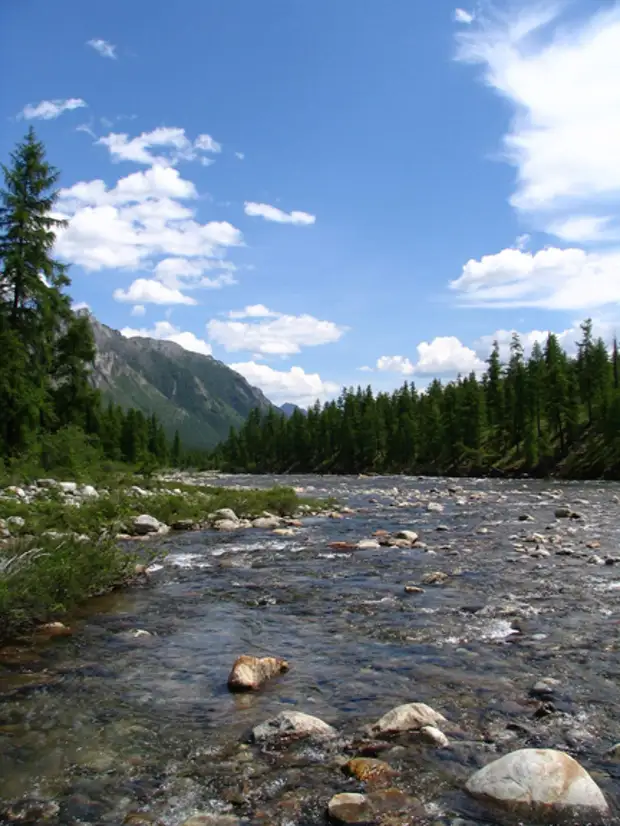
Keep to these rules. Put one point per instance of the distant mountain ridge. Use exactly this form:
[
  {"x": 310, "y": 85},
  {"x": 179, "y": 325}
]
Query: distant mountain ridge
[
  {"x": 194, "y": 394},
  {"x": 288, "y": 408}
]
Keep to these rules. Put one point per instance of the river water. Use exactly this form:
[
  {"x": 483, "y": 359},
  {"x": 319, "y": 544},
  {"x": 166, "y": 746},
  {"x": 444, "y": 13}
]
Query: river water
[{"x": 102, "y": 724}]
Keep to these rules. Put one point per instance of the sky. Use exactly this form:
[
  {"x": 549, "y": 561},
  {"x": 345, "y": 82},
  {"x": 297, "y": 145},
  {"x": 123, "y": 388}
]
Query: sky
[{"x": 326, "y": 193}]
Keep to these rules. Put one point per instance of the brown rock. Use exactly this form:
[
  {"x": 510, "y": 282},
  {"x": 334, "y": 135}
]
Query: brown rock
[
  {"x": 389, "y": 807},
  {"x": 341, "y": 546},
  {"x": 350, "y": 809},
  {"x": 413, "y": 589},
  {"x": 54, "y": 629},
  {"x": 249, "y": 673},
  {"x": 435, "y": 578},
  {"x": 369, "y": 770}
]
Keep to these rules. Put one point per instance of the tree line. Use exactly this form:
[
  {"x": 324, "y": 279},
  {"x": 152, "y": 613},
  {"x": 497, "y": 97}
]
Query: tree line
[
  {"x": 48, "y": 405},
  {"x": 531, "y": 414}
]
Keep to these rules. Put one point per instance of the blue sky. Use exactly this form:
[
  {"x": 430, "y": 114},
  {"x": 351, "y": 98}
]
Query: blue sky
[{"x": 305, "y": 188}]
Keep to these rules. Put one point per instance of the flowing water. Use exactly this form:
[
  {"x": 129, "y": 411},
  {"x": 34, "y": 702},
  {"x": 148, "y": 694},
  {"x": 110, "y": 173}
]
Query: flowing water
[{"x": 99, "y": 725}]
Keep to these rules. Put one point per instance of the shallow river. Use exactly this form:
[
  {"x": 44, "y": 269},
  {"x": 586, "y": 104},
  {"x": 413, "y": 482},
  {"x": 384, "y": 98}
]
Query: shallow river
[{"x": 103, "y": 724}]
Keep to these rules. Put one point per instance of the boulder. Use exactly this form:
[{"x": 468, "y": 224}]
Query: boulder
[
  {"x": 88, "y": 492},
  {"x": 541, "y": 783},
  {"x": 211, "y": 820},
  {"x": 369, "y": 770},
  {"x": 55, "y": 629},
  {"x": 434, "y": 507},
  {"x": 15, "y": 522},
  {"x": 350, "y": 808},
  {"x": 249, "y": 673},
  {"x": 410, "y": 536},
  {"x": 267, "y": 523},
  {"x": 388, "y": 806},
  {"x": 183, "y": 525},
  {"x": 227, "y": 525},
  {"x": 144, "y": 524},
  {"x": 563, "y": 513},
  {"x": 409, "y": 717},
  {"x": 68, "y": 487},
  {"x": 368, "y": 545},
  {"x": 435, "y": 578},
  {"x": 226, "y": 513},
  {"x": 48, "y": 484},
  {"x": 293, "y": 725},
  {"x": 284, "y": 532}
]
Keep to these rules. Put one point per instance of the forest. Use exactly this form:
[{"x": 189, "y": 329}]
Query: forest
[
  {"x": 545, "y": 413},
  {"x": 50, "y": 415}
]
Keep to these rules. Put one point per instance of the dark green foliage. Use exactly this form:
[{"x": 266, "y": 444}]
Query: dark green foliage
[
  {"x": 51, "y": 417},
  {"x": 527, "y": 415}
]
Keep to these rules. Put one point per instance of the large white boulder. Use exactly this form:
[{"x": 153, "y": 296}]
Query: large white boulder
[
  {"x": 541, "y": 782},
  {"x": 410, "y": 717},
  {"x": 145, "y": 523}
]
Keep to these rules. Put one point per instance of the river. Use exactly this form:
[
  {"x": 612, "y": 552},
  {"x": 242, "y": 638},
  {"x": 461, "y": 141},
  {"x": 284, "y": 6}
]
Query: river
[{"x": 102, "y": 724}]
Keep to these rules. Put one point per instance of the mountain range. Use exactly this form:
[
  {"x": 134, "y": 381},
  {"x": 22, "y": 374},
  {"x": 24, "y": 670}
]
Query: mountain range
[{"x": 192, "y": 393}]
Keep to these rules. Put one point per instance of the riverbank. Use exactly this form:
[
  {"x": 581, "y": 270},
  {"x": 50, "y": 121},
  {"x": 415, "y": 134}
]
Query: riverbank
[{"x": 62, "y": 542}]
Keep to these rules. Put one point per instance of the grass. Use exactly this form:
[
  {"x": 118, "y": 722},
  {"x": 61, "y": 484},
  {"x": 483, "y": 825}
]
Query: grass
[{"x": 40, "y": 581}]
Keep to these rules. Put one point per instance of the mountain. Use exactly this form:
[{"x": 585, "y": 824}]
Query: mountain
[
  {"x": 194, "y": 394},
  {"x": 288, "y": 409}
]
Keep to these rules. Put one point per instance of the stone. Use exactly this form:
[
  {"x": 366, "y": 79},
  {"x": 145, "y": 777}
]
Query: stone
[
  {"x": 434, "y": 507},
  {"x": 227, "y": 525},
  {"x": 145, "y": 524},
  {"x": 267, "y": 523},
  {"x": 138, "y": 491},
  {"x": 413, "y": 589},
  {"x": 369, "y": 770},
  {"x": 249, "y": 673},
  {"x": 614, "y": 752},
  {"x": 15, "y": 522},
  {"x": 435, "y": 578},
  {"x": 284, "y": 532},
  {"x": 183, "y": 525},
  {"x": 540, "y": 783},
  {"x": 293, "y": 725},
  {"x": 526, "y": 517},
  {"x": 563, "y": 513},
  {"x": 544, "y": 688},
  {"x": 539, "y": 553},
  {"x": 368, "y": 545},
  {"x": 410, "y": 536},
  {"x": 398, "y": 543},
  {"x": 593, "y": 544},
  {"x": 140, "y": 819},
  {"x": 68, "y": 487},
  {"x": 350, "y": 808},
  {"x": 226, "y": 513},
  {"x": 409, "y": 717},
  {"x": 434, "y": 736},
  {"x": 54, "y": 629},
  {"x": 88, "y": 492},
  {"x": 211, "y": 820},
  {"x": 341, "y": 546}
]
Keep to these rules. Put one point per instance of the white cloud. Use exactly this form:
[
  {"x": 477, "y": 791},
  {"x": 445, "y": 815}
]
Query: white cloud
[
  {"x": 104, "y": 48},
  {"x": 166, "y": 331},
  {"x": 562, "y": 81},
  {"x": 271, "y": 213},
  {"x": 446, "y": 355},
  {"x": 294, "y": 385},
  {"x": 552, "y": 278},
  {"x": 253, "y": 311},
  {"x": 49, "y": 109},
  {"x": 463, "y": 16},
  {"x": 172, "y": 139},
  {"x": 138, "y": 310},
  {"x": 395, "y": 364},
  {"x": 207, "y": 144},
  {"x": 139, "y": 220},
  {"x": 583, "y": 229},
  {"x": 365, "y": 369},
  {"x": 151, "y": 292},
  {"x": 281, "y": 336}
]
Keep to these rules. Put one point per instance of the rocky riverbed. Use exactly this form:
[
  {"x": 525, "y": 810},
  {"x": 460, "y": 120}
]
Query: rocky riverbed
[{"x": 496, "y": 604}]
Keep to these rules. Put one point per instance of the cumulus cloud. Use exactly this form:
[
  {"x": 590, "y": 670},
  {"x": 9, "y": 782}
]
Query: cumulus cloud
[
  {"x": 166, "y": 331},
  {"x": 583, "y": 229},
  {"x": 151, "y": 292},
  {"x": 253, "y": 311},
  {"x": 50, "y": 109},
  {"x": 103, "y": 48},
  {"x": 562, "y": 82},
  {"x": 177, "y": 146},
  {"x": 279, "y": 335},
  {"x": 294, "y": 385},
  {"x": 463, "y": 16},
  {"x": 138, "y": 310},
  {"x": 395, "y": 364},
  {"x": 140, "y": 219},
  {"x": 552, "y": 278},
  {"x": 443, "y": 356},
  {"x": 271, "y": 213}
]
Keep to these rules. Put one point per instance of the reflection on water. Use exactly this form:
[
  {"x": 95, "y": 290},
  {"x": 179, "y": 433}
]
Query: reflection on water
[{"x": 106, "y": 722}]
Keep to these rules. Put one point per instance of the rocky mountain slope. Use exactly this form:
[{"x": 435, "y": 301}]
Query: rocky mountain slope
[{"x": 194, "y": 394}]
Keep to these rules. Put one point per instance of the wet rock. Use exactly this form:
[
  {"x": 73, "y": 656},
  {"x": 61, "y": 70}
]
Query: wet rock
[
  {"x": 54, "y": 629},
  {"x": 434, "y": 507},
  {"x": 145, "y": 524},
  {"x": 211, "y": 820},
  {"x": 184, "y": 525},
  {"x": 545, "y": 687},
  {"x": 413, "y": 589},
  {"x": 249, "y": 673},
  {"x": 140, "y": 819},
  {"x": 15, "y": 522},
  {"x": 409, "y": 717},
  {"x": 594, "y": 544},
  {"x": 563, "y": 513},
  {"x": 614, "y": 752},
  {"x": 539, "y": 553},
  {"x": 342, "y": 546},
  {"x": 350, "y": 808},
  {"x": 526, "y": 517},
  {"x": 30, "y": 811},
  {"x": 284, "y": 531},
  {"x": 435, "y": 578},
  {"x": 410, "y": 536},
  {"x": 227, "y": 525},
  {"x": 392, "y": 542},
  {"x": 369, "y": 770},
  {"x": 368, "y": 545},
  {"x": 88, "y": 492},
  {"x": 266, "y": 523},
  {"x": 68, "y": 487},
  {"x": 293, "y": 725},
  {"x": 225, "y": 514},
  {"x": 595, "y": 560},
  {"x": 540, "y": 782},
  {"x": 434, "y": 736}
]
